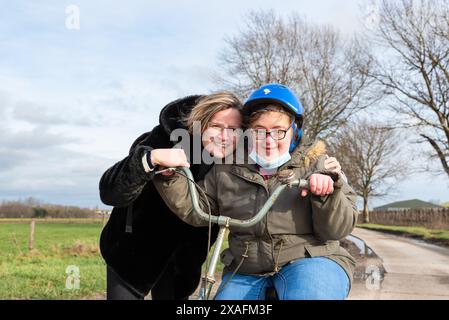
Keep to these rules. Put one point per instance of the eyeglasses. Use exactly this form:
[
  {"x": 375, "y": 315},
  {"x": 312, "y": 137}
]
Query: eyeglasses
[
  {"x": 276, "y": 134},
  {"x": 216, "y": 129}
]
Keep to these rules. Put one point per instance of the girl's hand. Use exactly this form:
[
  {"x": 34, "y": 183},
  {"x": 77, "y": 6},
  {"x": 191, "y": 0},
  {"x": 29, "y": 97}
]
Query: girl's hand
[
  {"x": 320, "y": 185},
  {"x": 169, "y": 158}
]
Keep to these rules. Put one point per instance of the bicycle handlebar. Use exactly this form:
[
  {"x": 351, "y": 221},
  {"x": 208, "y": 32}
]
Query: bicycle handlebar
[{"x": 287, "y": 181}]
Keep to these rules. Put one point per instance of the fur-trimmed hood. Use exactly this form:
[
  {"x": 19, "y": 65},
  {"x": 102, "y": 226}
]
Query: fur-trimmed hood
[
  {"x": 308, "y": 152},
  {"x": 171, "y": 117},
  {"x": 173, "y": 114}
]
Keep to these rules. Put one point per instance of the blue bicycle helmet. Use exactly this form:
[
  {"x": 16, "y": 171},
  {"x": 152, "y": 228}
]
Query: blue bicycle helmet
[{"x": 283, "y": 96}]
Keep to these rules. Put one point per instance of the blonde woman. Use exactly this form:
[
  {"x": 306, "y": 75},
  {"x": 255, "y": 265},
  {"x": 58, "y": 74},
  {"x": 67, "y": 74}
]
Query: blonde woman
[{"x": 145, "y": 246}]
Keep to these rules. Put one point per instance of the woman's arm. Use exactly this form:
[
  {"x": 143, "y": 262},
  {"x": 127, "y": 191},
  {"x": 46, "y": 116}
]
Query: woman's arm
[
  {"x": 174, "y": 190},
  {"x": 121, "y": 184}
]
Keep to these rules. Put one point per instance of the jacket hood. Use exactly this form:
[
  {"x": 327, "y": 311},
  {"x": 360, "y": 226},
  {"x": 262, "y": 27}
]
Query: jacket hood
[
  {"x": 173, "y": 114},
  {"x": 308, "y": 152}
]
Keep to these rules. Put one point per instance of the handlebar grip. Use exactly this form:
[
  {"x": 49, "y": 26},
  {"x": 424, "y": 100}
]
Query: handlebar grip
[
  {"x": 304, "y": 184},
  {"x": 300, "y": 184}
]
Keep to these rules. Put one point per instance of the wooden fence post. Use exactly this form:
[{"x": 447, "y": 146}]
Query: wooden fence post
[
  {"x": 31, "y": 240},
  {"x": 105, "y": 218}
]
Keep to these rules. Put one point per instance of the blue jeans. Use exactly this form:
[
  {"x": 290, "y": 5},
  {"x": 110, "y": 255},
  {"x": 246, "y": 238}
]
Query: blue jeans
[{"x": 305, "y": 279}]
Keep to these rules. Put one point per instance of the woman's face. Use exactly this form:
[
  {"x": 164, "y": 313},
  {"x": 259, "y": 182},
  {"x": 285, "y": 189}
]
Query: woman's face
[
  {"x": 221, "y": 134},
  {"x": 268, "y": 134}
]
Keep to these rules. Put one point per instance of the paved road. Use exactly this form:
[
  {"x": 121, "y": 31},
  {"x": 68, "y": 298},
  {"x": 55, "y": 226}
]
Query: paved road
[{"x": 415, "y": 270}]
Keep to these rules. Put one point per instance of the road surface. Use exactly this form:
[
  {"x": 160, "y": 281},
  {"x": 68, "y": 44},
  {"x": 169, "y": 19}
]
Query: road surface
[{"x": 415, "y": 270}]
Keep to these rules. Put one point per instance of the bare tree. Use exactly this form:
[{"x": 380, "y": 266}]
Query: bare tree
[
  {"x": 414, "y": 68},
  {"x": 369, "y": 156},
  {"x": 329, "y": 74}
]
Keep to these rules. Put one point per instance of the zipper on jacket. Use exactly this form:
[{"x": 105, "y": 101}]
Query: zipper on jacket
[{"x": 276, "y": 263}]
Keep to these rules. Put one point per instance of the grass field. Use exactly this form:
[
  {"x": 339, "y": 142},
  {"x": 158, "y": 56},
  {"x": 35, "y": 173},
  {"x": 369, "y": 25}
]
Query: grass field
[
  {"x": 41, "y": 273},
  {"x": 52, "y": 220},
  {"x": 438, "y": 236},
  {"x": 59, "y": 243}
]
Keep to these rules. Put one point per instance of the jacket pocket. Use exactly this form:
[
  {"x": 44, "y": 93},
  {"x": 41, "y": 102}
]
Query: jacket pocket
[{"x": 322, "y": 250}]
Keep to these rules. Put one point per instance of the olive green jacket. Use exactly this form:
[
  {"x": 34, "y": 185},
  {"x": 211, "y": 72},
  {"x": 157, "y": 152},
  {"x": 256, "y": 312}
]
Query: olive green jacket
[{"x": 294, "y": 228}]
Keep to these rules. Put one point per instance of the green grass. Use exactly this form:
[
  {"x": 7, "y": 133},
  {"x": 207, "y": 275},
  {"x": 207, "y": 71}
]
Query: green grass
[
  {"x": 41, "y": 273},
  {"x": 59, "y": 243},
  {"x": 440, "y": 236},
  {"x": 52, "y": 220}
]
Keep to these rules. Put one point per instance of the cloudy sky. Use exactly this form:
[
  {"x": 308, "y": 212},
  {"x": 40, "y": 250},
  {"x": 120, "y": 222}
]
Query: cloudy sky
[{"x": 73, "y": 101}]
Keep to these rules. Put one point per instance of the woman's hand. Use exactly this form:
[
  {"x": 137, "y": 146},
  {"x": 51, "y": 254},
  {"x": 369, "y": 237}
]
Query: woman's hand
[
  {"x": 169, "y": 158},
  {"x": 320, "y": 185}
]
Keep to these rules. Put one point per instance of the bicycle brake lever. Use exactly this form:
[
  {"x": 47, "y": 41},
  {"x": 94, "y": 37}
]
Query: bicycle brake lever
[{"x": 286, "y": 176}]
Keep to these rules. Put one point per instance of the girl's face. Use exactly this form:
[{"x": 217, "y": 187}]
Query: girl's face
[
  {"x": 221, "y": 134},
  {"x": 272, "y": 134}
]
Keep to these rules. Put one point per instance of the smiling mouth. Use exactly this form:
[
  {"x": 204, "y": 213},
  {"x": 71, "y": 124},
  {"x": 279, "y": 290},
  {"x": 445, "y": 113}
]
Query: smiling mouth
[
  {"x": 268, "y": 149},
  {"x": 221, "y": 145}
]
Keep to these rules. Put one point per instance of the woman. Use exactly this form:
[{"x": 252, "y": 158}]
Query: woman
[
  {"x": 145, "y": 246},
  {"x": 295, "y": 248}
]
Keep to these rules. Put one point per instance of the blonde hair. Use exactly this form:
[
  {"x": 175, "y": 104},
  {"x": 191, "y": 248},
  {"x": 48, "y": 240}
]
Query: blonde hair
[{"x": 208, "y": 106}]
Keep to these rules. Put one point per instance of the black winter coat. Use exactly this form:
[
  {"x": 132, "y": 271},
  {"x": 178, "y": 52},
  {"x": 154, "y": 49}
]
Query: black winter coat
[{"x": 143, "y": 238}]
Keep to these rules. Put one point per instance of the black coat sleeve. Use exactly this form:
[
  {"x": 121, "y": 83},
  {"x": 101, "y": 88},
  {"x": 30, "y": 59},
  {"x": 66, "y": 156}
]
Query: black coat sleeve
[{"x": 121, "y": 184}]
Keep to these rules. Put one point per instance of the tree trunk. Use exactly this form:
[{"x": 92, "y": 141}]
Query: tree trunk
[{"x": 365, "y": 210}]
